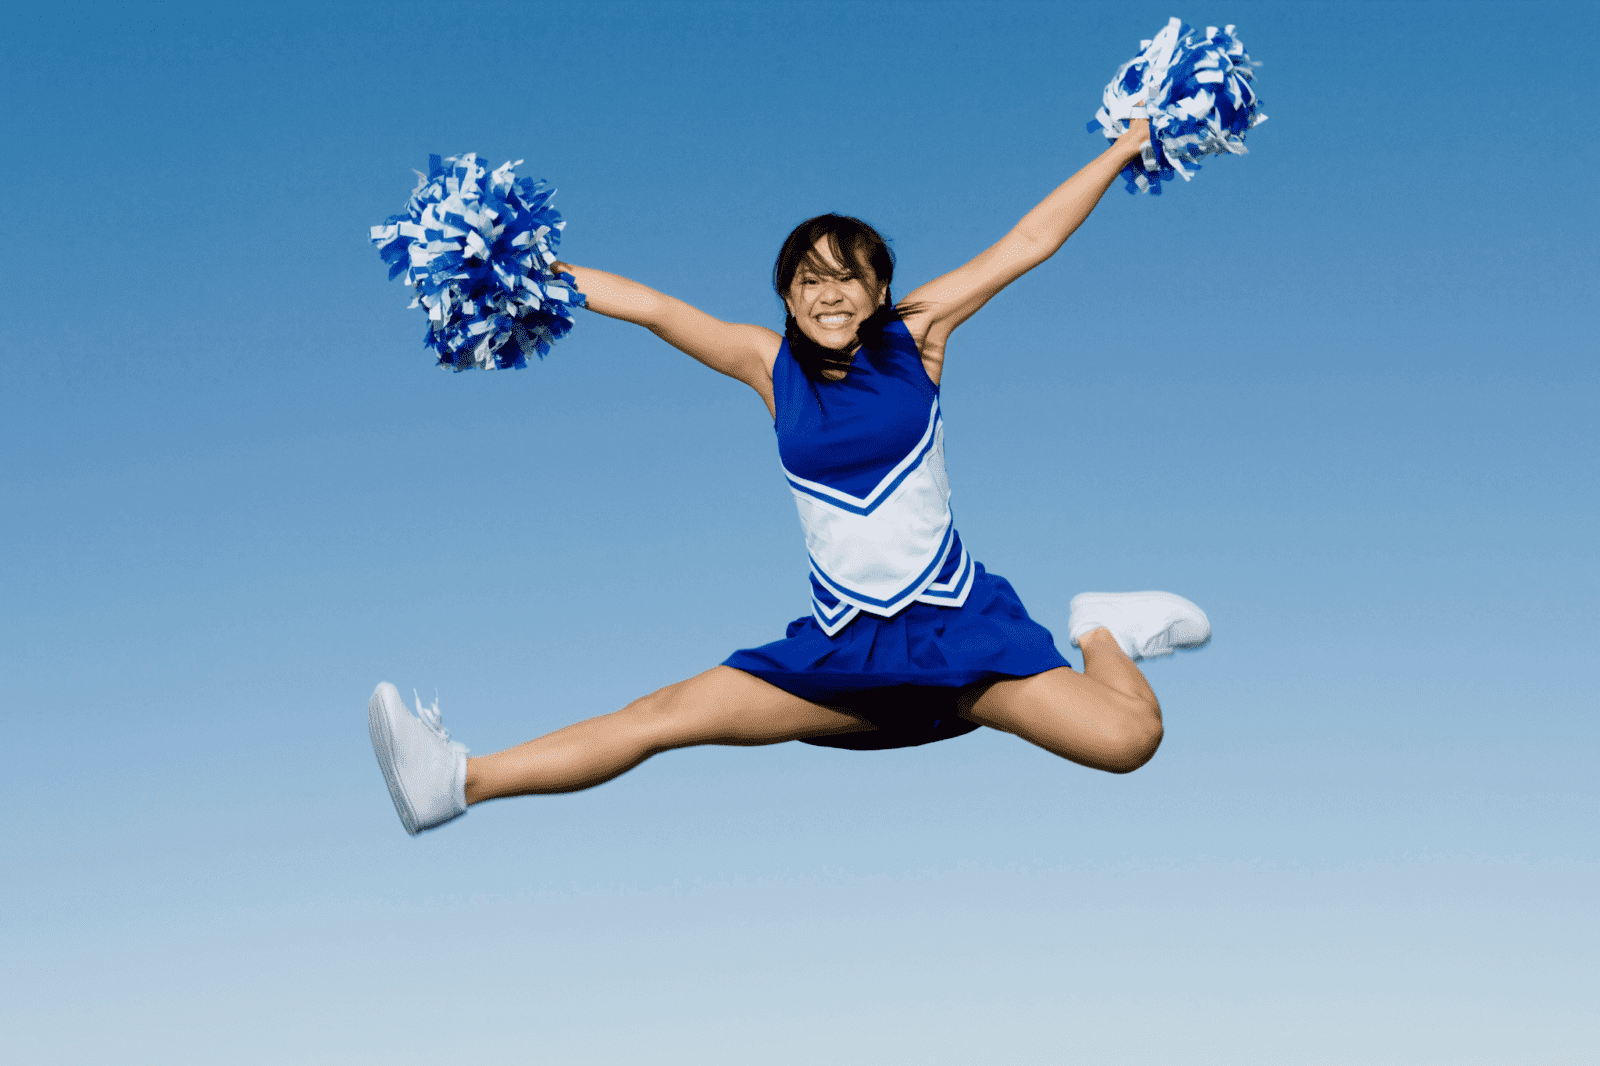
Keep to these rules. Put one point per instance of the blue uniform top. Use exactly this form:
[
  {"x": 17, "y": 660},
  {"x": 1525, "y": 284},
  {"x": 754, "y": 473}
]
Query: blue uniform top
[{"x": 864, "y": 457}]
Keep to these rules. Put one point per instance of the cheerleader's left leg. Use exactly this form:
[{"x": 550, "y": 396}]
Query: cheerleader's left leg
[{"x": 1106, "y": 718}]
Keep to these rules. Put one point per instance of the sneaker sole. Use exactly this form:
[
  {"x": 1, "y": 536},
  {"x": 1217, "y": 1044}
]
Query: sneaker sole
[{"x": 380, "y": 727}]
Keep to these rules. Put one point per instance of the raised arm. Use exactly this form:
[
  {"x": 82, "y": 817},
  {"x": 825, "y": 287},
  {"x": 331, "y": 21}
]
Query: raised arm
[
  {"x": 743, "y": 352},
  {"x": 945, "y": 302}
]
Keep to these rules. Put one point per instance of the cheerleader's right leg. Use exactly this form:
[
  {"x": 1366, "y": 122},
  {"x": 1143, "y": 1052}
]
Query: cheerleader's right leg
[{"x": 432, "y": 781}]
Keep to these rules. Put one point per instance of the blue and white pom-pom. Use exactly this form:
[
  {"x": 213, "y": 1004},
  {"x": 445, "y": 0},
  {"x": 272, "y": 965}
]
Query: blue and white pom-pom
[
  {"x": 1196, "y": 92},
  {"x": 478, "y": 248}
]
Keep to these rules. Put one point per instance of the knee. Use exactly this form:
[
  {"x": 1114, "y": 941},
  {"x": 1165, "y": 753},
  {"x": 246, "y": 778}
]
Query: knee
[
  {"x": 658, "y": 718},
  {"x": 689, "y": 712},
  {"x": 1135, "y": 739}
]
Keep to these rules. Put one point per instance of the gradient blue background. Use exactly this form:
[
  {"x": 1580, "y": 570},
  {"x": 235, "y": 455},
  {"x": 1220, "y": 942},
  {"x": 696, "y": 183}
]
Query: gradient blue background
[{"x": 1341, "y": 393}]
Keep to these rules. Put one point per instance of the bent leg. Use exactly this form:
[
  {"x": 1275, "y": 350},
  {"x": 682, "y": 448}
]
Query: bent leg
[
  {"x": 1106, "y": 717},
  {"x": 720, "y": 706}
]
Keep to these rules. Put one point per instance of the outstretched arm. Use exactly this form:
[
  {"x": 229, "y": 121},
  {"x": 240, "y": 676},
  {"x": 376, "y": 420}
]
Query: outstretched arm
[
  {"x": 744, "y": 352},
  {"x": 945, "y": 302}
]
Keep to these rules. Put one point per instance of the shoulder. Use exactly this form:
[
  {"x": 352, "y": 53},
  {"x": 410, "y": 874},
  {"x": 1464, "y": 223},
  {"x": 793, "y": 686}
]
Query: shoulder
[
  {"x": 748, "y": 352},
  {"x": 924, "y": 332},
  {"x": 770, "y": 340},
  {"x": 765, "y": 344},
  {"x": 915, "y": 319},
  {"x": 763, "y": 347}
]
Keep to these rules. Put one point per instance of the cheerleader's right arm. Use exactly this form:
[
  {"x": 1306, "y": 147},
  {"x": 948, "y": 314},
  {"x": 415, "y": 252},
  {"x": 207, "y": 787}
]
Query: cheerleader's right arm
[{"x": 742, "y": 351}]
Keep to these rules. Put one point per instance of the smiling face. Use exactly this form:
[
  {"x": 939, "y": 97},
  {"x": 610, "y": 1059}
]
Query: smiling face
[{"x": 830, "y": 299}]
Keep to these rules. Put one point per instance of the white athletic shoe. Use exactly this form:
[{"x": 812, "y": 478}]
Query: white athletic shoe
[
  {"x": 1146, "y": 625},
  {"x": 426, "y": 771}
]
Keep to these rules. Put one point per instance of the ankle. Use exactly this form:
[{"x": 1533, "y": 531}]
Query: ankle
[
  {"x": 475, "y": 790},
  {"x": 1098, "y": 635}
]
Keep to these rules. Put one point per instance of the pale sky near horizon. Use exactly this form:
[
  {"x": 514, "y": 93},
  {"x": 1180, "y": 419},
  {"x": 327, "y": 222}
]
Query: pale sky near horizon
[{"x": 1340, "y": 392}]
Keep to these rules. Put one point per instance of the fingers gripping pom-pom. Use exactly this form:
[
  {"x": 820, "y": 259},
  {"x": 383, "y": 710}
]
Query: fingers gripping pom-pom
[
  {"x": 479, "y": 247},
  {"x": 1195, "y": 89}
]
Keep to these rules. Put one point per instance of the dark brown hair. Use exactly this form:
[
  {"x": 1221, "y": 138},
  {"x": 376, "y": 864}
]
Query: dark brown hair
[{"x": 855, "y": 245}]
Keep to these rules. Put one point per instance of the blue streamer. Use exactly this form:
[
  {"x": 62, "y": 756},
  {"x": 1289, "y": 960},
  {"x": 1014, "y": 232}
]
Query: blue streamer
[
  {"x": 1197, "y": 93},
  {"x": 478, "y": 248}
]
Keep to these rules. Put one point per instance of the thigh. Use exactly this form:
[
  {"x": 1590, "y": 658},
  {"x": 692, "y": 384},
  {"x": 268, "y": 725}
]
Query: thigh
[
  {"x": 1071, "y": 715},
  {"x": 728, "y": 706}
]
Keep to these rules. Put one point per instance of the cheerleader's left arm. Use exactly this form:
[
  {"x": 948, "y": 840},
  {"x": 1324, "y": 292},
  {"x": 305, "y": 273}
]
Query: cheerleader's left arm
[{"x": 938, "y": 307}]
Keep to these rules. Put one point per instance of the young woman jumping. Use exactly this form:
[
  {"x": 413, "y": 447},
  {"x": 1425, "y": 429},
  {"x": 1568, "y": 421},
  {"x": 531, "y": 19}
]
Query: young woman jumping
[{"x": 909, "y": 640}]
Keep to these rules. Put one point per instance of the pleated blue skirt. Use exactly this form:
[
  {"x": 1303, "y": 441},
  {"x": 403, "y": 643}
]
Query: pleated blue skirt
[{"x": 904, "y": 674}]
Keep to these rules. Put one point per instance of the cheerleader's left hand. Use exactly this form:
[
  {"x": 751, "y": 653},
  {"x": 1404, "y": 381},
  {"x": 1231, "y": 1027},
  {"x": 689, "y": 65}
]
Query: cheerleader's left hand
[{"x": 1130, "y": 144}]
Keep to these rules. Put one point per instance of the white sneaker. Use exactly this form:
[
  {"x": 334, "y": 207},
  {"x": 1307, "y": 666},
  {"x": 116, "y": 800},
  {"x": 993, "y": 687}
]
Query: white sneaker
[
  {"x": 426, "y": 771},
  {"x": 1146, "y": 625}
]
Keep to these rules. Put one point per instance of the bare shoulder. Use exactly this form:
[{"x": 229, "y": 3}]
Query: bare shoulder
[
  {"x": 758, "y": 348},
  {"x": 764, "y": 342},
  {"x": 928, "y": 330}
]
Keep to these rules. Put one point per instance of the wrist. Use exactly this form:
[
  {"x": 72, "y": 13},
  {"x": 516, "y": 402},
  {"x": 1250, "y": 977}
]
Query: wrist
[
  {"x": 1117, "y": 157},
  {"x": 1127, "y": 147}
]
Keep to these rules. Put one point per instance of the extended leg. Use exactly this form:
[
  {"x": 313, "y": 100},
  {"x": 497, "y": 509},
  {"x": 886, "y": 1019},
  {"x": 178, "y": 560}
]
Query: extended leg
[
  {"x": 720, "y": 706},
  {"x": 1106, "y": 717}
]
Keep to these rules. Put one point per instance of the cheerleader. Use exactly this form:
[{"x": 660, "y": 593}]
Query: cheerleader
[{"x": 909, "y": 640}]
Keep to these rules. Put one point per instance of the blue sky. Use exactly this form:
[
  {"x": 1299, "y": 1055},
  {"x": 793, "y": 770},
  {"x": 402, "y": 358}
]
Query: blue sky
[{"x": 1340, "y": 392}]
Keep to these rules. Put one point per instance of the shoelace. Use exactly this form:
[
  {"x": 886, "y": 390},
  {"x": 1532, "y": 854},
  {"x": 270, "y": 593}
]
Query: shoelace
[{"x": 435, "y": 722}]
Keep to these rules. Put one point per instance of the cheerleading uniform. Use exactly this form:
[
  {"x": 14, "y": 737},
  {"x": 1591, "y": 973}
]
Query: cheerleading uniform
[{"x": 902, "y": 618}]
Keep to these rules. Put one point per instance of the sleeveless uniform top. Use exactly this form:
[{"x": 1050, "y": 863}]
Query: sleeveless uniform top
[{"x": 864, "y": 457}]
